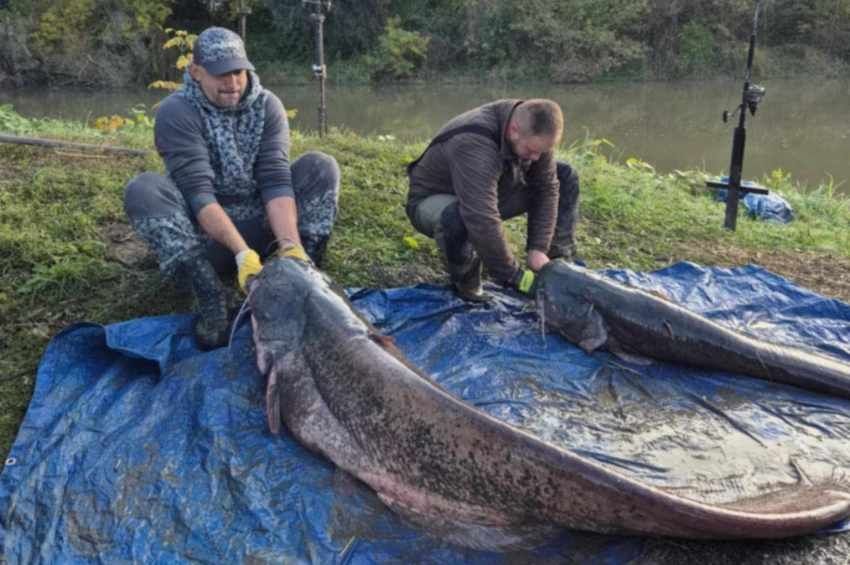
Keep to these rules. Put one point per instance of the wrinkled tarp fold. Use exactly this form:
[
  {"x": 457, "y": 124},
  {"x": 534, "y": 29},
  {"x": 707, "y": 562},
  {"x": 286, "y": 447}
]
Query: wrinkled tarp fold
[{"x": 138, "y": 447}]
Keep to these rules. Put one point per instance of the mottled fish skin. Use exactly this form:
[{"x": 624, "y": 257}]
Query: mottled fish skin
[
  {"x": 577, "y": 302},
  {"x": 450, "y": 468}
]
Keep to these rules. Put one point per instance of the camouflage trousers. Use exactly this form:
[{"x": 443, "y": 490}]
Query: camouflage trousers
[{"x": 161, "y": 216}]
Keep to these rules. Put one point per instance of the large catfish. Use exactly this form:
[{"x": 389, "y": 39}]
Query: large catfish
[
  {"x": 348, "y": 393},
  {"x": 595, "y": 312}
]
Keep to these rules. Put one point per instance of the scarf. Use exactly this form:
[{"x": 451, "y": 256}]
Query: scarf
[{"x": 233, "y": 137}]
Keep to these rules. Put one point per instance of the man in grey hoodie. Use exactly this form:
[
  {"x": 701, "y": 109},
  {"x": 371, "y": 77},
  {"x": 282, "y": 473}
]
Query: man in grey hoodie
[{"x": 230, "y": 196}]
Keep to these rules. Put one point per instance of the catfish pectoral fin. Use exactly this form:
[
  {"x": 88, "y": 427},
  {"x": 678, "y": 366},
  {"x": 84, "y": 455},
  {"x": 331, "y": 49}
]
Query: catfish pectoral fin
[
  {"x": 624, "y": 354},
  {"x": 594, "y": 336},
  {"x": 273, "y": 403},
  {"x": 595, "y": 333}
]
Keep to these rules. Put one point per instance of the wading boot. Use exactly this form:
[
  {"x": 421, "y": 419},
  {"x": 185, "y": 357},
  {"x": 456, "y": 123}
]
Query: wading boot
[
  {"x": 567, "y": 252},
  {"x": 563, "y": 244},
  {"x": 211, "y": 325},
  {"x": 466, "y": 280},
  {"x": 463, "y": 265}
]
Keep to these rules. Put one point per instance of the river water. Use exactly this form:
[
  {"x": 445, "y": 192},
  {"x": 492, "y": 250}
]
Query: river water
[{"x": 802, "y": 126}]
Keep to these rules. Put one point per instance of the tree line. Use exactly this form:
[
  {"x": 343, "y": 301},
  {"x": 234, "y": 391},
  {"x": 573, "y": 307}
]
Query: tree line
[{"x": 118, "y": 42}]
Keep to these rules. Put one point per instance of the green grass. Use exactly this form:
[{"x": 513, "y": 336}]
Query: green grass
[{"x": 56, "y": 210}]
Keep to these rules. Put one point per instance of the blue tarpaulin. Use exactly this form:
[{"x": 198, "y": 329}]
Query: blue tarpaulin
[
  {"x": 769, "y": 207},
  {"x": 137, "y": 447}
]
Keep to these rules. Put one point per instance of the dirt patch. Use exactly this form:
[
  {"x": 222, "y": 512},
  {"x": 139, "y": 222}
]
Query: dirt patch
[
  {"x": 125, "y": 247},
  {"x": 812, "y": 550},
  {"x": 390, "y": 276},
  {"x": 824, "y": 273}
]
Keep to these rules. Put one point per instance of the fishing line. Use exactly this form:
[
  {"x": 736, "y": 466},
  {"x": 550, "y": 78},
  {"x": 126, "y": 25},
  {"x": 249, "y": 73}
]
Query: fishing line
[{"x": 243, "y": 310}]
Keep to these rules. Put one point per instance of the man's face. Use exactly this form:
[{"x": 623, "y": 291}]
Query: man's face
[
  {"x": 529, "y": 147},
  {"x": 225, "y": 91}
]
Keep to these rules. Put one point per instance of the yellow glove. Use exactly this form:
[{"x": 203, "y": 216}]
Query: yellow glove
[
  {"x": 249, "y": 265},
  {"x": 293, "y": 251},
  {"x": 525, "y": 282}
]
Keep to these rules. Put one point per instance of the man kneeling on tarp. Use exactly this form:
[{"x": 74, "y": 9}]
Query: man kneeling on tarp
[
  {"x": 230, "y": 192},
  {"x": 486, "y": 165}
]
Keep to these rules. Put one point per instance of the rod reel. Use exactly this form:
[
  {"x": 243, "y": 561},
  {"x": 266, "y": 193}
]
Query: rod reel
[{"x": 751, "y": 96}]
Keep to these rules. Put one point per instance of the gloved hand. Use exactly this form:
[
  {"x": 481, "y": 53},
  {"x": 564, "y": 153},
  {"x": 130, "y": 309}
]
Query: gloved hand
[
  {"x": 294, "y": 251},
  {"x": 523, "y": 280},
  {"x": 248, "y": 264}
]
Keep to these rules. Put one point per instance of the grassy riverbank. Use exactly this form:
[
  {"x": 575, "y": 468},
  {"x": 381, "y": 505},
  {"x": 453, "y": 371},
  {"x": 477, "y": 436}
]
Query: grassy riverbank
[{"x": 68, "y": 255}]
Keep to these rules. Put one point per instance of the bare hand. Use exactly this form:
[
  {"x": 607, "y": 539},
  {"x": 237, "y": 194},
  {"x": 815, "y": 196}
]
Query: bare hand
[{"x": 536, "y": 260}]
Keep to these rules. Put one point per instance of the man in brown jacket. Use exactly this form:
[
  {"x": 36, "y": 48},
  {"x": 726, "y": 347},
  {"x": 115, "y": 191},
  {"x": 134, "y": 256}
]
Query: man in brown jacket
[{"x": 490, "y": 164}]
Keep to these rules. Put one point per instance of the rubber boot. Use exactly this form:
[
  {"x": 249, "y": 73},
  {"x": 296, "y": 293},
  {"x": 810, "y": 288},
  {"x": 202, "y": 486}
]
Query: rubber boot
[
  {"x": 564, "y": 240},
  {"x": 462, "y": 262},
  {"x": 567, "y": 251},
  {"x": 211, "y": 325},
  {"x": 466, "y": 280}
]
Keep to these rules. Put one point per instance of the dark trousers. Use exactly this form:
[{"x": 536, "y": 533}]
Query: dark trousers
[
  {"x": 425, "y": 215},
  {"x": 161, "y": 216}
]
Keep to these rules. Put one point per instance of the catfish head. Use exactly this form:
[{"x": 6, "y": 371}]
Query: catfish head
[
  {"x": 564, "y": 306},
  {"x": 277, "y": 296},
  {"x": 282, "y": 298}
]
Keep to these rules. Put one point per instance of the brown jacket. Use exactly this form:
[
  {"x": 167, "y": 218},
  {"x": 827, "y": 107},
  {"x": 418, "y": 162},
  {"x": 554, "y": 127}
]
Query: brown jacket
[{"x": 482, "y": 174}]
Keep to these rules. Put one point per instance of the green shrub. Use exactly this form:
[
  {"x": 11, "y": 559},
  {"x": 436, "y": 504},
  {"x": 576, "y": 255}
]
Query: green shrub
[
  {"x": 400, "y": 53},
  {"x": 697, "y": 49},
  {"x": 11, "y": 121}
]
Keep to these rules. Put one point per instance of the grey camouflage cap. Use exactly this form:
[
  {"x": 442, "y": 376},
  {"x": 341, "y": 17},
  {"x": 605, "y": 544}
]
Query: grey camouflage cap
[{"x": 219, "y": 51}]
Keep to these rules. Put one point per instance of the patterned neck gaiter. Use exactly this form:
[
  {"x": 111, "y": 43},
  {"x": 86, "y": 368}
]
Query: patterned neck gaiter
[{"x": 233, "y": 136}]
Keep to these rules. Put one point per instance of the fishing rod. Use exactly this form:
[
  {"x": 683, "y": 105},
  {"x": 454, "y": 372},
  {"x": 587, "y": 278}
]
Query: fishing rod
[
  {"x": 318, "y": 10},
  {"x": 243, "y": 11},
  {"x": 751, "y": 96}
]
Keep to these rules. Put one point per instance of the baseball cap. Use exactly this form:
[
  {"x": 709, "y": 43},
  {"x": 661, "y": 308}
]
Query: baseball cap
[{"x": 219, "y": 51}]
